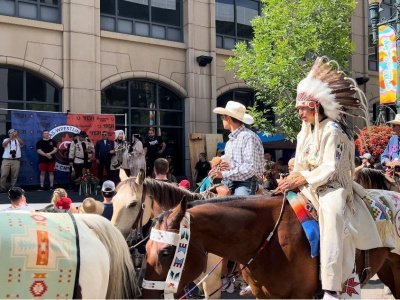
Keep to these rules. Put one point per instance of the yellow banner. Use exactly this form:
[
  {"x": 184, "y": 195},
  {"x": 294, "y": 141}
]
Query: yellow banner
[{"x": 387, "y": 65}]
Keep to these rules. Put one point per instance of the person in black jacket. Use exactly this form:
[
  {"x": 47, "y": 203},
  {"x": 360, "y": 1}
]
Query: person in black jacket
[{"x": 103, "y": 156}]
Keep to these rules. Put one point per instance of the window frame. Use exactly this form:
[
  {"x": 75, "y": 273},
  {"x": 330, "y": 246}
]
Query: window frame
[
  {"x": 235, "y": 36},
  {"x": 7, "y": 116},
  {"x": 149, "y": 22},
  {"x": 39, "y": 5}
]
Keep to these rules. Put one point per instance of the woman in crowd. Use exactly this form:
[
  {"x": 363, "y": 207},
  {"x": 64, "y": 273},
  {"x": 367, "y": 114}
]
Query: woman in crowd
[{"x": 135, "y": 156}]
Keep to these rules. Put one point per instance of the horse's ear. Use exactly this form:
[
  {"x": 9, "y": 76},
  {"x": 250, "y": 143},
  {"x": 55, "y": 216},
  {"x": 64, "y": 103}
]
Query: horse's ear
[
  {"x": 179, "y": 211},
  {"x": 122, "y": 175},
  {"x": 140, "y": 177}
]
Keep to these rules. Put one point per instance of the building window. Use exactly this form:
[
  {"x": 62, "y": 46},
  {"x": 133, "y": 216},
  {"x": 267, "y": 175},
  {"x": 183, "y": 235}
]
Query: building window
[
  {"x": 160, "y": 19},
  {"x": 43, "y": 10},
  {"x": 386, "y": 12},
  {"x": 23, "y": 90},
  {"x": 148, "y": 104},
  {"x": 232, "y": 18}
]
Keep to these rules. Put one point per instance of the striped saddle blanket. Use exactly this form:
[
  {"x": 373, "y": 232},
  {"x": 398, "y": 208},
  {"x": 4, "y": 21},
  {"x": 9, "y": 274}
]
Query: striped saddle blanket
[{"x": 384, "y": 207}]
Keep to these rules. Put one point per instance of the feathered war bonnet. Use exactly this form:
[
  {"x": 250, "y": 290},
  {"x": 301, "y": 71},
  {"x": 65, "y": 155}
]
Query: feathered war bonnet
[{"x": 328, "y": 86}]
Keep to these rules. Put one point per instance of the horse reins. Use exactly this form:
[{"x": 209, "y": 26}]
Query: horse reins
[
  {"x": 138, "y": 221},
  {"x": 236, "y": 274}
]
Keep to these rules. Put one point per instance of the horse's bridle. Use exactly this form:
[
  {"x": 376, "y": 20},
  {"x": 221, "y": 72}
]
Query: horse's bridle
[
  {"x": 139, "y": 219},
  {"x": 181, "y": 240}
]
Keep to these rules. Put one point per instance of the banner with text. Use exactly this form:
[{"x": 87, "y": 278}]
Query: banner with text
[
  {"x": 62, "y": 128},
  {"x": 387, "y": 65}
]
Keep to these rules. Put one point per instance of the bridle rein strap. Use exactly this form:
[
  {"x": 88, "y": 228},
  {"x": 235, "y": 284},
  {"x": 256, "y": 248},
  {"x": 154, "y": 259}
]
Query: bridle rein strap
[
  {"x": 137, "y": 225},
  {"x": 181, "y": 241}
]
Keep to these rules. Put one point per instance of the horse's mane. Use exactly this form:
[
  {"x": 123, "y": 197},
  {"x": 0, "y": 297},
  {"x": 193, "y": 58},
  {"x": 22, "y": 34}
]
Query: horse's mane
[
  {"x": 231, "y": 201},
  {"x": 372, "y": 179},
  {"x": 166, "y": 194}
]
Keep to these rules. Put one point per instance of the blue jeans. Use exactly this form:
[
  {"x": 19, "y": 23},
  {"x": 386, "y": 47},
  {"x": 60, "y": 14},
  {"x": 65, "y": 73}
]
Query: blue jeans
[{"x": 242, "y": 188}]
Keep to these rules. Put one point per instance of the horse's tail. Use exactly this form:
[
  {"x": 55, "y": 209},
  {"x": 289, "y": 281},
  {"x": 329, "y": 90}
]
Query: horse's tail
[{"x": 122, "y": 282}]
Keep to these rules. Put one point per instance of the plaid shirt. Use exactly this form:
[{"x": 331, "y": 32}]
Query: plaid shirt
[{"x": 246, "y": 154}]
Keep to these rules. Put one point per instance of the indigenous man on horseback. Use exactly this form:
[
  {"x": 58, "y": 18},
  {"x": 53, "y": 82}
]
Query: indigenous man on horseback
[
  {"x": 242, "y": 165},
  {"x": 323, "y": 169}
]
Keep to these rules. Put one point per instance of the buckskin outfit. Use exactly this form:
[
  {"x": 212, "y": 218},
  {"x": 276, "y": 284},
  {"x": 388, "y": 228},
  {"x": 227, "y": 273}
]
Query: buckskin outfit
[{"x": 325, "y": 159}]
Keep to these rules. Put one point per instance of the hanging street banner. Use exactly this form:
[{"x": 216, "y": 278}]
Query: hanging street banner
[
  {"x": 387, "y": 65},
  {"x": 62, "y": 128}
]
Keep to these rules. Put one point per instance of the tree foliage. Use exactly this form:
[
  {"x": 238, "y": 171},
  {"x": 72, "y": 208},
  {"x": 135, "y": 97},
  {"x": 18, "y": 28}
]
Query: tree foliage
[{"x": 288, "y": 36}]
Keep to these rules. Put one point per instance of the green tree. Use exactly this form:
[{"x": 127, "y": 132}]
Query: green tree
[{"x": 288, "y": 36}]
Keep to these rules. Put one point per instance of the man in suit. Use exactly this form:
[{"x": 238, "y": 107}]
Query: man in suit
[{"x": 103, "y": 155}]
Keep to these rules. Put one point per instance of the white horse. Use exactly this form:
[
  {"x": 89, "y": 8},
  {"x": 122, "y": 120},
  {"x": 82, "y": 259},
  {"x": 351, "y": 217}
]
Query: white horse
[
  {"x": 139, "y": 198},
  {"x": 106, "y": 269}
]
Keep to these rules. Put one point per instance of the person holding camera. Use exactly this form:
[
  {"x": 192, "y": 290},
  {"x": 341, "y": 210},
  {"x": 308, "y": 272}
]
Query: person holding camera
[{"x": 11, "y": 159}]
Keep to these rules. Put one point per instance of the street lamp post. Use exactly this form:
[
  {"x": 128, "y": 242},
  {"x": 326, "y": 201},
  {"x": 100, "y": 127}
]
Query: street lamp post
[{"x": 374, "y": 7}]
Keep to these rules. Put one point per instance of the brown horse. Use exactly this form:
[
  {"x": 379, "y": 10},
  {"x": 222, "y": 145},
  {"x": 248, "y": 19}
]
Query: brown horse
[
  {"x": 138, "y": 199},
  {"x": 375, "y": 179},
  {"x": 236, "y": 229}
]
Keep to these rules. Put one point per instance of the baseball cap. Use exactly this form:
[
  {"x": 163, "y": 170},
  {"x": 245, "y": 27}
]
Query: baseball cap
[
  {"x": 12, "y": 130},
  {"x": 15, "y": 192},
  {"x": 108, "y": 186},
  {"x": 366, "y": 156},
  {"x": 185, "y": 183}
]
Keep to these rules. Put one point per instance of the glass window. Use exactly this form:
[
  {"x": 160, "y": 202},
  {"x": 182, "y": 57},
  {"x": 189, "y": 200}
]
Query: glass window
[
  {"x": 44, "y": 10},
  {"x": 245, "y": 11},
  {"x": 7, "y": 8},
  {"x": 166, "y": 12},
  {"x": 23, "y": 90},
  {"x": 115, "y": 95},
  {"x": 11, "y": 84},
  {"x": 107, "y": 7},
  {"x": 134, "y": 9},
  {"x": 143, "y": 94},
  {"x": 225, "y": 17},
  {"x": 233, "y": 21},
  {"x": 168, "y": 100},
  {"x": 149, "y": 104},
  {"x": 156, "y": 18}
]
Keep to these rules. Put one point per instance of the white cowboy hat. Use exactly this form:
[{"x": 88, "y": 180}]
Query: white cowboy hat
[
  {"x": 396, "y": 120},
  {"x": 235, "y": 110}
]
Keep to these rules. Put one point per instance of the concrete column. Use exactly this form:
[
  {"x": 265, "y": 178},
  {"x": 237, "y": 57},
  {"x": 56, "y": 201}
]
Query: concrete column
[
  {"x": 81, "y": 59},
  {"x": 200, "y": 81}
]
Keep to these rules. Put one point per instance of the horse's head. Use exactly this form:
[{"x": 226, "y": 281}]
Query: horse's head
[
  {"x": 130, "y": 204},
  {"x": 168, "y": 238}
]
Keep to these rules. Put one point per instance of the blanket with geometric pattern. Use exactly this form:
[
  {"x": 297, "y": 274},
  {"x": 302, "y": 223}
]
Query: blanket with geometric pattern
[{"x": 38, "y": 255}]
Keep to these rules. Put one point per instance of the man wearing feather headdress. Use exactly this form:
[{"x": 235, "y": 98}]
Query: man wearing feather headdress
[{"x": 323, "y": 169}]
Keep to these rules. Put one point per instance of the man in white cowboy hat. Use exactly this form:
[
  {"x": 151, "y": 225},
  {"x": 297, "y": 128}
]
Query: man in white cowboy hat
[
  {"x": 243, "y": 163},
  {"x": 391, "y": 156}
]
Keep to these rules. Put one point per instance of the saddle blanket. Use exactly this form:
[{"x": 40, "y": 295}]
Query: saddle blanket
[
  {"x": 38, "y": 255},
  {"x": 303, "y": 211},
  {"x": 384, "y": 207}
]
